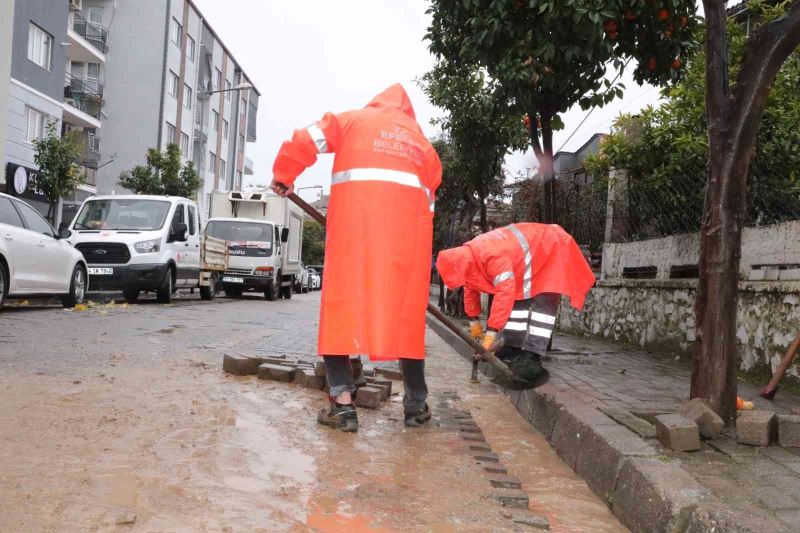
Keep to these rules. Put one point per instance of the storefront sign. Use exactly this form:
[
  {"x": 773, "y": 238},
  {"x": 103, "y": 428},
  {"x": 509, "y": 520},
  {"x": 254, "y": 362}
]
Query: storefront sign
[{"x": 21, "y": 182}]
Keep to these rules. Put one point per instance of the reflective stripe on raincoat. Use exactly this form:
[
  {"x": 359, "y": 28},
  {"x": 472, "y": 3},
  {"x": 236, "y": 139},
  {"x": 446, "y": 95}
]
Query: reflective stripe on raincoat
[
  {"x": 380, "y": 225},
  {"x": 516, "y": 262}
]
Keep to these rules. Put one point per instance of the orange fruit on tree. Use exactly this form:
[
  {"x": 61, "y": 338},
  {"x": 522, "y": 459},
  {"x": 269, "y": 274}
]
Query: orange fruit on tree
[
  {"x": 676, "y": 64},
  {"x": 663, "y": 14},
  {"x": 652, "y": 63}
]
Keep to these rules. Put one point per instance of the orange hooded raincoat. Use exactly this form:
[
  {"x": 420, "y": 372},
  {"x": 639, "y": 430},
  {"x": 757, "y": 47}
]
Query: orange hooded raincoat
[
  {"x": 516, "y": 262},
  {"x": 379, "y": 228}
]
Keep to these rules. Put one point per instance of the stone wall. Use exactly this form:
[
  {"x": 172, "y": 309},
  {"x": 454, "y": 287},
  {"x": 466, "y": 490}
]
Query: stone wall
[
  {"x": 658, "y": 315},
  {"x": 774, "y": 251}
]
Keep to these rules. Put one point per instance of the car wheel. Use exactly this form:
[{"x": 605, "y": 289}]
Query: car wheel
[
  {"x": 131, "y": 295},
  {"x": 286, "y": 291},
  {"x": 208, "y": 293},
  {"x": 164, "y": 292},
  {"x": 3, "y": 285},
  {"x": 77, "y": 288},
  {"x": 233, "y": 292},
  {"x": 269, "y": 292}
]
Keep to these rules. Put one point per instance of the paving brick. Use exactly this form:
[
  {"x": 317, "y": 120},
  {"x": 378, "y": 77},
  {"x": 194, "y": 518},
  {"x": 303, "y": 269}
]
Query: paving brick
[
  {"x": 469, "y": 428},
  {"x": 678, "y": 433},
  {"x": 486, "y": 457},
  {"x": 278, "y": 360},
  {"x": 369, "y": 397},
  {"x": 641, "y": 427},
  {"x": 307, "y": 378},
  {"x": 534, "y": 521},
  {"x": 384, "y": 384},
  {"x": 504, "y": 481},
  {"x": 511, "y": 498},
  {"x": 789, "y": 431},
  {"x": 480, "y": 447},
  {"x": 319, "y": 369},
  {"x": 368, "y": 370},
  {"x": 699, "y": 411},
  {"x": 240, "y": 365},
  {"x": 492, "y": 468},
  {"x": 472, "y": 437},
  {"x": 756, "y": 428},
  {"x": 390, "y": 373},
  {"x": 276, "y": 372}
]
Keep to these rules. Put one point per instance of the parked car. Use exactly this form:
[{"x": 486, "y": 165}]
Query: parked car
[
  {"x": 34, "y": 259},
  {"x": 316, "y": 281},
  {"x": 301, "y": 280},
  {"x": 137, "y": 243}
]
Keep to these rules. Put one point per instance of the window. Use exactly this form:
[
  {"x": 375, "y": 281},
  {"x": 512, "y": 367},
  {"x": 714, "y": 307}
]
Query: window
[
  {"x": 224, "y": 129},
  {"x": 212, "y": 161},
  {"x": 214, "y": 120},
  {"x": 9, "y": 215},
  {"x": 40, "y": 46},
  {"x": 93, "y": 71},
  {"x": 34, "y": 220},
  {"x": 222, "y": 168},
  {"x": 36, "y": 124},
  {"x": 187, "y": 96},
  {"x": 217, "y": 79},
  {"x": 239, "y": 178},
  {"x": 173, "y": 84},
  {"x": 243, "y": 109},
  {"x": 184, "y": 145},
  {"x": 95, "y": 15},
  {"x": 241, "y": 143},
  {"x": 179, "y": 217},
  {"x": 228, "y": 89},
  {"x": 177, "y": 32},
  {"x": 190, "y": 48},
  {"x": 170, "y": 133},
  {"x": 192, "y": 220}
]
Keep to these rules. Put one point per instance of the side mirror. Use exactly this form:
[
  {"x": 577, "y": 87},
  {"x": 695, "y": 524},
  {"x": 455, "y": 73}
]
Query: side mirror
[
  {"x": 284, "y": 234},
  {"x": 64, "y": 233},
  {"x": 179, "y": 232}
]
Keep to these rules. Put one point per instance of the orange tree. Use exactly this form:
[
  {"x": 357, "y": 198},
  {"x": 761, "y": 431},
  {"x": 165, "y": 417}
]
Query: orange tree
[
  {"x": 548, "y": 55},
  {"x": 735, "y": 104}
]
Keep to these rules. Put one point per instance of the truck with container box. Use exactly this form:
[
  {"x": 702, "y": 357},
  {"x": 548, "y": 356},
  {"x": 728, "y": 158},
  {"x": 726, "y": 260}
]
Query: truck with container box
[{"x": 264, "y": 235}]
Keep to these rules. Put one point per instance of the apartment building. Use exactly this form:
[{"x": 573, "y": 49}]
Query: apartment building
[
  {"x": 48, "y": 44},
  {"x": 6, "y": 29},
  {"x": 169, "y": 78}
]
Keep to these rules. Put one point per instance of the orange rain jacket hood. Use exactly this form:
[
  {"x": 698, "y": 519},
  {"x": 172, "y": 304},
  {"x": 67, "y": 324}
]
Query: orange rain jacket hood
[
  {"x": 516, "y": 262},
  {"x": 380, "y": 225}
]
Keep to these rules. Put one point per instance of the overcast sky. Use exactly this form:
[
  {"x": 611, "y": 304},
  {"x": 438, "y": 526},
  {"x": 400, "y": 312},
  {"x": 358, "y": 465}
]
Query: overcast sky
[{"x": 314, "y": 56}]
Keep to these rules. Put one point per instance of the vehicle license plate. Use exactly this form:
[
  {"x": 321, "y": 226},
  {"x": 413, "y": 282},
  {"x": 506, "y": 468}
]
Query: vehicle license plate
[
  {"x": 228, "y": 279},
  {"x": 101, "y": 271}
]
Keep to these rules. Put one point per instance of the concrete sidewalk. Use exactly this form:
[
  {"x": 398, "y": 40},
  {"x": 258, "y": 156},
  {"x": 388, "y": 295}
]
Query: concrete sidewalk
[{"x": 722, "y": 487}]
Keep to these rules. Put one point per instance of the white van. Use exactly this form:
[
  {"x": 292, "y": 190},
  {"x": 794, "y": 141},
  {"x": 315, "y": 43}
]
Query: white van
[
  {"x": 265, "y": 240},
  {"x": 136, "y": 243}
]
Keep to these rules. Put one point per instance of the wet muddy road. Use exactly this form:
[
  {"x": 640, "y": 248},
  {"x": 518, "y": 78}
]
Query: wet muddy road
[{"x": 120, "y": 419}]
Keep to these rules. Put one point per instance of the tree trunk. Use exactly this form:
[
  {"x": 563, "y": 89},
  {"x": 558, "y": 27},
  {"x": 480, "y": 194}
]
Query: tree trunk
[
  {"x": 544, "y": 154},
  {"x": 548, "y": 174},
  {"x": 482, "y": 209},
  {"x": 715, "y": 352}
]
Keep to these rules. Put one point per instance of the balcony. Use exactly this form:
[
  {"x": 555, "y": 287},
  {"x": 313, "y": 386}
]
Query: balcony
[
  {"x": 92, "y": 32},
  {"x": 91, "y": 151},
  {"x": 83, "y": 101}
]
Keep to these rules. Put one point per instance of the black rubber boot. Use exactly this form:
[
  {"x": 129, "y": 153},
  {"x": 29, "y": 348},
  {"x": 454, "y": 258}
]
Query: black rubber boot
[
  {"x": 341, "y": 417},
  {"x": 415, "y": 420}
]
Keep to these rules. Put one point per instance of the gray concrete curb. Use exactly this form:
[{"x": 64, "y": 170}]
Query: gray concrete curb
[{"x": 647, "y": 491}]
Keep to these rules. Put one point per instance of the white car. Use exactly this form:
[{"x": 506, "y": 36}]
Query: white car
[
  {"x": 316, "y": 281},
  {"x": 302, "y": 282},
  {"x": 34, "y": 260}
]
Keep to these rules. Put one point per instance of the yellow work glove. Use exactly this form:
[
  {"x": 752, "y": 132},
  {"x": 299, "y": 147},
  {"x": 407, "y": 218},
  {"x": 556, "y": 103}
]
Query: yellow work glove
[
  {"x": 489, "y": 340},
  {"x": 475, "y": 329}
]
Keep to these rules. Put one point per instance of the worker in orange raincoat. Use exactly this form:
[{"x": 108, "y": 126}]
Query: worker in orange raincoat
[
  {"x": 527, "y": 267},
  {"x": 378, "y": 244}
]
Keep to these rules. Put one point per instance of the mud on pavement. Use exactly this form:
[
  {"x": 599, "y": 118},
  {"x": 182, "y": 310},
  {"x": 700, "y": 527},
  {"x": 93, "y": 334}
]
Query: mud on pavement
[{"x": 121, "y": 419}]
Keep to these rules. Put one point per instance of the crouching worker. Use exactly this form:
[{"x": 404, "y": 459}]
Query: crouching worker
[
  {"x": 378, "y": 244},
  {"x": 527, "y": 267}
]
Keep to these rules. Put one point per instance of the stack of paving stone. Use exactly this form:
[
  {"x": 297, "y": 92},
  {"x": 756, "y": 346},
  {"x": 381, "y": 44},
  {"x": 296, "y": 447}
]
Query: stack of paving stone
[
  {"x": 761, "y": 428},
  {"x": 371, "y": 389}
]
